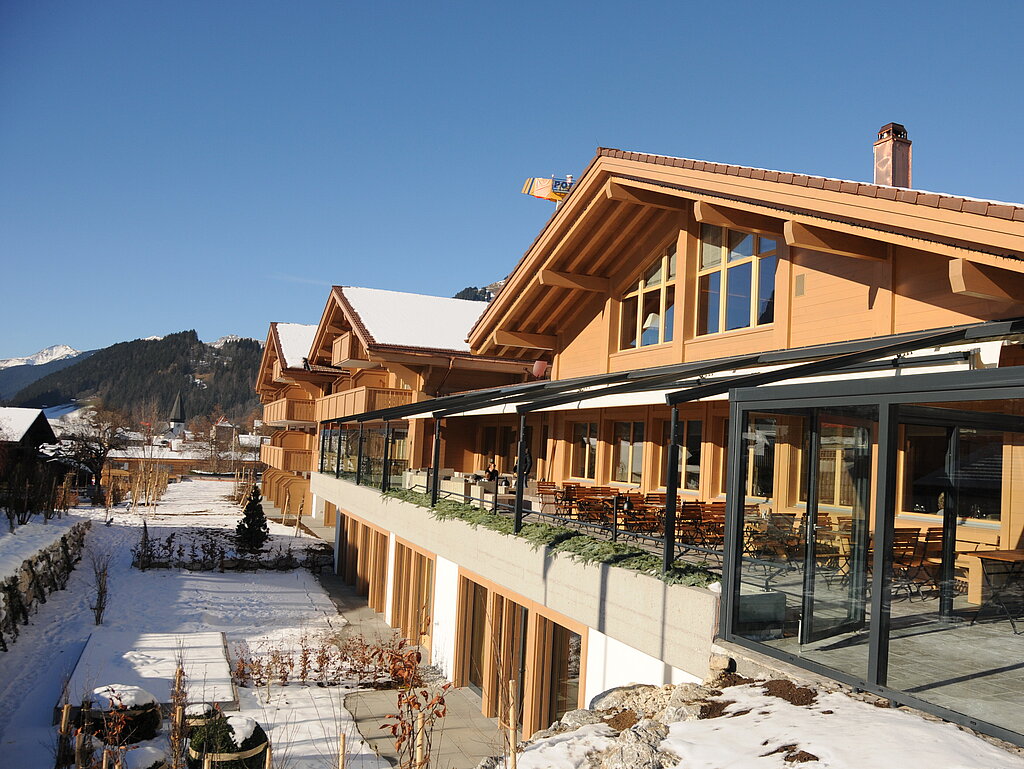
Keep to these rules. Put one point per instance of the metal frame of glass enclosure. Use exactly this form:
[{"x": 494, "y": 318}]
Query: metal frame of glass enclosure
[{"x": 890, "y": 399}]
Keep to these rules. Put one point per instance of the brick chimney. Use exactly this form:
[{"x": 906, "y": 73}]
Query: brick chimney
[{"x": 892, "y": 156}]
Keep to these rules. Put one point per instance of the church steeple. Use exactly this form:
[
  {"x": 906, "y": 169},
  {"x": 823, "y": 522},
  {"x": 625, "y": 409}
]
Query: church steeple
[{"x": 177, "y": 417}]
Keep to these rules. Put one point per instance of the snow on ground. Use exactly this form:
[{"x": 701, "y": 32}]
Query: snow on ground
[
  {"x": 842, "y": 732},
  {"x": 255, "y": 608},
  {"x": 759, "y": 731},
  {"x": 27, "y": 540}
]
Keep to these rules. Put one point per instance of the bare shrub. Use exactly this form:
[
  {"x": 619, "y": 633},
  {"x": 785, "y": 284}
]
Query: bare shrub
[{"x": 100, "y": 563}]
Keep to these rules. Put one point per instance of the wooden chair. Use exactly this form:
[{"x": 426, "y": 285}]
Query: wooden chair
[{"x": 548, "y": 493}]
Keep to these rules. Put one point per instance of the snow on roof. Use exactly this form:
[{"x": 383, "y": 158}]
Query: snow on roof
[
  {"x": 295, "y": 339},
  {"x": 414, "y": 320},
  {"x": 15, "y": 422}
]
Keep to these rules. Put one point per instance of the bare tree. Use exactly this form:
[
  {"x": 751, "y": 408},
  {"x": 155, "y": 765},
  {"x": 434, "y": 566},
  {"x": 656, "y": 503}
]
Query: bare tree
[{"x": 90, "y": 441}]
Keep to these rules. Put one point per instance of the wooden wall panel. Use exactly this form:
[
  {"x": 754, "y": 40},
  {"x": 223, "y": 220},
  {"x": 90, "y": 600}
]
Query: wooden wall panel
[
  {"x": 924, "y": 298},
  {"x": 843, "y": 298}
]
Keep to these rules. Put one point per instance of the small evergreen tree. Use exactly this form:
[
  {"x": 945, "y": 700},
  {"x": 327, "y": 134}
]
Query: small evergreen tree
[{"x": 252, "y": 532}]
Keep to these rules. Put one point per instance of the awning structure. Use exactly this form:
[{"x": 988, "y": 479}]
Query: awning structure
[{"x": 949, "y": 349}]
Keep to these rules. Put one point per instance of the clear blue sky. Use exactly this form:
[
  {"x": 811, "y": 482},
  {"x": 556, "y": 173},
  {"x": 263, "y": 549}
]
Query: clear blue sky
[{"x": 216, "y": 165}]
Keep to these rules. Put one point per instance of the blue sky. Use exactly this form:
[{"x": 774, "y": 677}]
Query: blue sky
[{"x": 216, "y": 166}]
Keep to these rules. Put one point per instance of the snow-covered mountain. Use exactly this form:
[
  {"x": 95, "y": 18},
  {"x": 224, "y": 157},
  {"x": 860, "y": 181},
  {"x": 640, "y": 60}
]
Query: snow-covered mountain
[
  {"x": 224, "y": 340},
  {"x": 50, "y": 354}
]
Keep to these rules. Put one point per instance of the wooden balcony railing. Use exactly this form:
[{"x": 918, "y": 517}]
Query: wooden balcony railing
[
  {"x": 291, "y": 460},
  {"x": 285, "y": 411},
  {"x": 358, "y": 400}
]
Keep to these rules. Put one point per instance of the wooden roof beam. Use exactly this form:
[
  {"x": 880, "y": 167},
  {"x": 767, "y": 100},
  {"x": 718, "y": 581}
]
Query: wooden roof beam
[
  {"x": 833, "y": 242},
  {"x": 522, "y": 339},
  {"x": 617, "y": 190},
  {"x": 985, "y": 282},
  {"x": 574, "y": 281},
  {"x": 733, "y": 219}
]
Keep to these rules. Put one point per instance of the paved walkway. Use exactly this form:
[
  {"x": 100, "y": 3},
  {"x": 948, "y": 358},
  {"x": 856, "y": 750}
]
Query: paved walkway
[
  {"x": 309, "y": 524},
  {"x": 462, "y": 739}
]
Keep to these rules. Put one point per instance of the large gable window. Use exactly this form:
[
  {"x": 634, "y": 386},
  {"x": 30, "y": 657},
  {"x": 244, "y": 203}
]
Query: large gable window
[
  {"x": 648, "y": 308},
  {"x": 735, "y": 280}
]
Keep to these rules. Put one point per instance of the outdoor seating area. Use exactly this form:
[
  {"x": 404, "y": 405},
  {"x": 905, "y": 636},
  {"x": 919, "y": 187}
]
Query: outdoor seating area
[{"x": 699, "y": 526}]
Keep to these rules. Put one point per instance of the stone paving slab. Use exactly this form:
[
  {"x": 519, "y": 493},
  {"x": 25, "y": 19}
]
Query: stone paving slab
[{"x": 462, "y": 739}]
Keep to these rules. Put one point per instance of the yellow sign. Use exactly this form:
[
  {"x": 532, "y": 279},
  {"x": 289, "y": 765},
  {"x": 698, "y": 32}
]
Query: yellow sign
[{"x": 547, "y": 189}]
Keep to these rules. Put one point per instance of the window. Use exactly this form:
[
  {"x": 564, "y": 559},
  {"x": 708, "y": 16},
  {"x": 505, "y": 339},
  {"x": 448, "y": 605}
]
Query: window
[
  {"x": 689, "y": 453},
  {"x": 735, "y": 280},
  {"x": 584, "y": 449},
  {"x": 838, "y": 452},
  {"x": 648, "y": 309},
  {"x": 761, "y": 457},
  {"x": 629, "y": 451}
]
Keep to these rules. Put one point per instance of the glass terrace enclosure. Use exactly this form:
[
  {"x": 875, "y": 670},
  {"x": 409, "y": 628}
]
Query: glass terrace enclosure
[{"x": 882, "y": 546}]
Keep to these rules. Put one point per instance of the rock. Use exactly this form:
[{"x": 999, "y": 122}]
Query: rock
[
  {"x": 637, "y": 748},
  {"x": 642, "y": 698},
  {"x": 720, "y": 663},
  {"x": 574, "y": 719}
]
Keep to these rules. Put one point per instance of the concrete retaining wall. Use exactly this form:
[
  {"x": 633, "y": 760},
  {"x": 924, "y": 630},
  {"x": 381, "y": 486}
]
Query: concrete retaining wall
[
  {"x": 43, "y": 573},
  {"x": 673, "y": 624}
]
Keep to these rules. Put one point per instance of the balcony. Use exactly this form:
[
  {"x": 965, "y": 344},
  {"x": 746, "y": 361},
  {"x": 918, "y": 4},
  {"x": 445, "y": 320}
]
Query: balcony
[
  {"x": 358, "y": 400},
  {"x": 290, "y": 460},
  {"x": 346, "y": 351},
  {"x": 289, "y": 412}
]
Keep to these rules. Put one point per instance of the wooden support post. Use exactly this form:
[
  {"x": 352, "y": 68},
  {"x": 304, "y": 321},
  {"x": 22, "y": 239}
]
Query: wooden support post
[
  {"x": 513, "y": 724},
  {"x": 106, "y": 758},
  {"x": 65, "y": 718},
  {"x": 268, "y": 763},
  {"x": 208, "y": 762},
  {"x": 298, "y": 516},
  {"x": 341, "y": 751},
  {"x": 420, "y": 739}
]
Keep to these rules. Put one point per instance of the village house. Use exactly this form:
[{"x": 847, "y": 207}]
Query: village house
[{"x": 810, "y": 385}]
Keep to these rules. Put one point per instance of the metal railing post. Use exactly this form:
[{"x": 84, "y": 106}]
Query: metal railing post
[
  {"x": 520, "y": 475},
  {"x": 435, "y": 469},
  {"x": 359, "y": 457},
  {"x": 385, "y": 475},
  {"x": 671, "y": 494}
]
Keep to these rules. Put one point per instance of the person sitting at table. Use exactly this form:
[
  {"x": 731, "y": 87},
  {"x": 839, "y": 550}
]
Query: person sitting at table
[{"x": 492, "y": 471}]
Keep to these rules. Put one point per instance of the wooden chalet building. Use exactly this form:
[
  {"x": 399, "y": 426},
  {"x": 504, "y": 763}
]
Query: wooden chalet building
[
  {"x": 372, "y": 349},
  {"x": 287, "y": 389},
  {"x": 811, "y": 385}
]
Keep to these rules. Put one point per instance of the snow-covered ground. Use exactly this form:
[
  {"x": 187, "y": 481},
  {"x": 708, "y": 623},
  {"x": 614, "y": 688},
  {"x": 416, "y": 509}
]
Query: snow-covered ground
[
  {"x": 254, "y": 608},
  {"x": 751, "y": 728}
]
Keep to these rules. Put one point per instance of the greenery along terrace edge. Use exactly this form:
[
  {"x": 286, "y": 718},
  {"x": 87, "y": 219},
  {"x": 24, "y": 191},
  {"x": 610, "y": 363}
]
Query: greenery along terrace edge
[{"x": 559, "y": 539}]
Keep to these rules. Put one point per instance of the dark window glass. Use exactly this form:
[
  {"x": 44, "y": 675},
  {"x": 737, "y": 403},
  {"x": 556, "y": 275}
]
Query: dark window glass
[{"x": 737, "y": 303}]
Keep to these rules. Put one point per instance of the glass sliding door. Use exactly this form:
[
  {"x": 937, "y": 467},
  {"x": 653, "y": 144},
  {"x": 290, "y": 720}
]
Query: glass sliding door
[
  {"x": 806, "y": 518},
  {"x": 837, "y": 524}
]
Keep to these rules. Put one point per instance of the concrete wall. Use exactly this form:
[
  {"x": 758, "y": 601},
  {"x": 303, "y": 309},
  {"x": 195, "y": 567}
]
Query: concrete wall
[
  {"x": 611, "y": 663},
  {"x": 446, "y": 599},
  {"x": 671, "y": 623}
]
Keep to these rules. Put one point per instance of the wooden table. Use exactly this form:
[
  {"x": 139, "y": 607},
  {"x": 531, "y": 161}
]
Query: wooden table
[{"x": 1014, "y": 561}]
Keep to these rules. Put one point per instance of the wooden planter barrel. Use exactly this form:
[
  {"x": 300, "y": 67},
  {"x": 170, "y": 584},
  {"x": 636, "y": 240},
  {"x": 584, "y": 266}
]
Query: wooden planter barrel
[
  {"x": 251, "y": 757},
  {"x": 138, "y": 724}
]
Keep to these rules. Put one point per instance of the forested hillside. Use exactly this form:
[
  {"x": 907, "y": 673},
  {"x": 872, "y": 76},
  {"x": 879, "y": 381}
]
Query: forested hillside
[{"x": 131, "y": 375}]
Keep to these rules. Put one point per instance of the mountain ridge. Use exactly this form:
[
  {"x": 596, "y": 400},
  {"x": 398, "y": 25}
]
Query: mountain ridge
[
  {"x": 147, "y": 373},
  {"x": 49, "y": 354}
]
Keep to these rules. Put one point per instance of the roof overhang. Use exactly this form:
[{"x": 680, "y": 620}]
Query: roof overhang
[
  {"x": 951, "y": 349},
  {"x": 625, "y": 205}
]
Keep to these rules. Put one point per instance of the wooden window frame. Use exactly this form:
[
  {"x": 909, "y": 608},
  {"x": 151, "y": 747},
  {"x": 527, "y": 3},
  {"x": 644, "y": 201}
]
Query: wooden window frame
[
  {"x": 589, "y": 465},
  {"x": 634, "y": 447},
  {"x": 668, "y": 262},
  {"x": 537, "y": 654},
  {"x": 684, "y": 423},
  {"x": 722, "y": 268}
]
